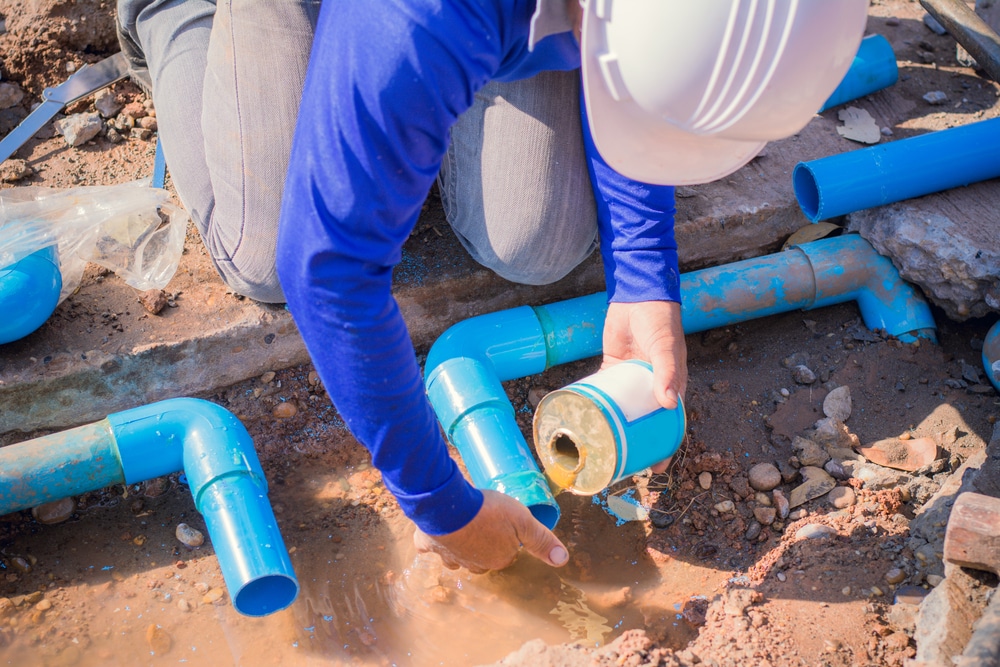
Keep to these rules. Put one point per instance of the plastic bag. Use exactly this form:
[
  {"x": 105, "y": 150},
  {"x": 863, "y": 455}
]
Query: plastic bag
[{"x": 131, "y": 229}]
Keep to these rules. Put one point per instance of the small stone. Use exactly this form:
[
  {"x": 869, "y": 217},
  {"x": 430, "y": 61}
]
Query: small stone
[
  {"x": 313, "y": 380},
  {"x": 153, "y": 300},
  {"x": 837, "y": 404},
  {"x": 895, "y": 576},
  {"x": 135, "y": 110},
  {"x": 705, "y": 480},
  {"x": 285, "y": 410},
  {"x": 725, "y": 506},
  {"x": 762, "y": 499},
  {"x": 813, "y": 531},
  {"x": 765, "y": 515},
  {"x": 158, "y": 639},
  {"x": 753, "y": 531},
  {"x": 10, "y": 95},
  {"x": 841, "y": 497},
  {"x": 106, "y": 103},
  {"x": 183, "y": 605},
  {"x": 214, "y": 596},
  {"x": 201, "y": 587},
  {"x": 817, "y": 483},
  {"x": 892, "y": 21},
  {"x": 886, "y": 131},
  {"x": 188, "y": 536},
  {"x": 781, "y": 576},
  {"x": 55, "y": 512},
  {"x": 44, "y": 605},
  {"x": 764, "y": 477},
  {"x": 935, "y": 98},
  {"x": 836, "y": 470},
  {"x": 14, "y": 169},
  {"x": 780, "y": 504},
  {"x": 934, "y": 580},
  {"x": 845, "y": 591},
  {"x": 809, "y": 453},
  {"x": 267, "y": 378},
  {"x": 784, "y": 392},
  {"x": 79, "y": 128},
  {"x": 803, "y": 375},
  {"x": 148, "y": 123},
  {"x": 877, "y": 592}
]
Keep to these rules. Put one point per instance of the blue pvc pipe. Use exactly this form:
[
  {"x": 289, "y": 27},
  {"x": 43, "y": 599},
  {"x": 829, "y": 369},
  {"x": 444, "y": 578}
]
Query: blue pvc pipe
[
  {"x": 887, "y": 173},
  {"x": 215, "y": 452},
  {"x": 873, "y": 68},
  {"x": 466, "y": 365},
  {"x": 29, "y": 294},
  {"x": 991, "y": 355}
]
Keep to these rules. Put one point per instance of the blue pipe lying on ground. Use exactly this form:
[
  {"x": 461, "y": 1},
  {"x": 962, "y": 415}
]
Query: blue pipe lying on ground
[
  {"x": 467, "y": 364},
  {"x": 29, "y": 293},
  {"x": 991, "y": 355},
  {"x": 873, "y": 68},
  {"x": 201, "y": 438},
  {"x": 903, "y": 169}
]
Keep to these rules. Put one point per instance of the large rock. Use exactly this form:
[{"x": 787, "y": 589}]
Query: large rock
[{"x": 948, "y": 244}]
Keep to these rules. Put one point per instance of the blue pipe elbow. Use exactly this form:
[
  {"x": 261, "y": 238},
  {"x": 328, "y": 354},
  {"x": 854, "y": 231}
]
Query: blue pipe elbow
[
  {"x": 991, "y": 355},
  {"x": 873, "y": 68},
  {"x": 465, "y": 367},
  {"x": 29, "y": 293},
  {"x": 206, "y": 441},
  {"x": 228, "y": 486},
  {"x": 887, "y": 173}
]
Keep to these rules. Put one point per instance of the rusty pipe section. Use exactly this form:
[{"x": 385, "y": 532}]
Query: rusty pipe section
[{"x": 807, "y": 276}]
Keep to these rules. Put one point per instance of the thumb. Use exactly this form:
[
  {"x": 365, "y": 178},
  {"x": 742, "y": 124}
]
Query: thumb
[{"x": 541, "y": 543}]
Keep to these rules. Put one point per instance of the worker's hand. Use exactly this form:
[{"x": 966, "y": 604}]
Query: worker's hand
[
  {"x": 650, "y": 331},
  {"x": 492, "y": 539}
]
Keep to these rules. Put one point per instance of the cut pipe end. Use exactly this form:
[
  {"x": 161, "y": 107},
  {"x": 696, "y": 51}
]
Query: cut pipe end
[
  {"x": 266, "y": 595},
  {"x": 807, "y": 191}
]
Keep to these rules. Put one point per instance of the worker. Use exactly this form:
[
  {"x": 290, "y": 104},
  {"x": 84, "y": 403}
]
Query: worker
[{"x": 674, "y": 92}]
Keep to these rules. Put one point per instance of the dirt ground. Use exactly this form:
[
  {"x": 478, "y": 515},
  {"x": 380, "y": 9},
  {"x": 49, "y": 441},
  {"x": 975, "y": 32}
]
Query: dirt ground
[{"x": 711, "y": 576}]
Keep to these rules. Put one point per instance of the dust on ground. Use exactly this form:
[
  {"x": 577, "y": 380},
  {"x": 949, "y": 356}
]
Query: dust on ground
[{"x": 710, "y": 575}]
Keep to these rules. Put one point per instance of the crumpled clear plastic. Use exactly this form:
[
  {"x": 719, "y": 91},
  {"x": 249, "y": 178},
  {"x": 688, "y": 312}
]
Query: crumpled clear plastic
[{"x": 130, "y": 228}]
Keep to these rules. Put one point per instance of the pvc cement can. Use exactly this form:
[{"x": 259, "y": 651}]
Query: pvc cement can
[{"x": 605, "y": 427}]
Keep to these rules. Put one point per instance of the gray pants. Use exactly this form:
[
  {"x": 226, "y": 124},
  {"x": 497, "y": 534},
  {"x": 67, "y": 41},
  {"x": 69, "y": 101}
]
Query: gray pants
[{"x": 227, "y": 78}]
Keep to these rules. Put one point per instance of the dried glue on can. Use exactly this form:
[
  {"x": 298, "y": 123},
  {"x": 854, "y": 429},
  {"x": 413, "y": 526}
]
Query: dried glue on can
[{"x": 604, "y": 428}]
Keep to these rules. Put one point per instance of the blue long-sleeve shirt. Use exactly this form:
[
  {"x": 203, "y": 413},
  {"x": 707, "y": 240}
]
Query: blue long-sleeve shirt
[{"x": 386, "y": 81}]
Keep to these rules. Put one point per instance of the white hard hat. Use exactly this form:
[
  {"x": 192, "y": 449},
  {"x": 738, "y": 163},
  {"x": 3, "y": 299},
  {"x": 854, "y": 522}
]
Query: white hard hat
[{"x": 680, "y": 92}]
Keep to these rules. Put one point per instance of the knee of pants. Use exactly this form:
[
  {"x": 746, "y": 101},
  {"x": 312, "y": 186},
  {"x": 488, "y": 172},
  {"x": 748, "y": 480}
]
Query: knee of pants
[
  {"x": 531, "y": 267},
  {"x": 259, "y": 286}
]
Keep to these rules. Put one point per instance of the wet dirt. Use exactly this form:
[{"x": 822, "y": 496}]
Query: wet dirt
[{"x": 702, "y": 577}]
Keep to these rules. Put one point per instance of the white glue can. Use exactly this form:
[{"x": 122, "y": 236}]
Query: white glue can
[{"x": 604, "y": 428}]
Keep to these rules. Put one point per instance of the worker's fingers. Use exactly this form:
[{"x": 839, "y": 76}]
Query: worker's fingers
[{"x": 541, "y": 543}]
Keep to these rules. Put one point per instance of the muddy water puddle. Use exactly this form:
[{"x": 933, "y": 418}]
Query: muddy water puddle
[{"x": 114, "y": 585}]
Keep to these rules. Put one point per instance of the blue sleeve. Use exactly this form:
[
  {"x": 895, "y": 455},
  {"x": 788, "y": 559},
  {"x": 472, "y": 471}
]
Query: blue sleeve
[
  {"x": 636, "y": 226},
  {"x": 386, "y": 81}
]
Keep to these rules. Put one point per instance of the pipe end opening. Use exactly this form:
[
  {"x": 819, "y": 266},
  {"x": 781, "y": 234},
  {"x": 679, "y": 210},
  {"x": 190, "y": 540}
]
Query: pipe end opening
[
  {"x": 547, "y": 515},
  {"x": 806, "y": 191},
  {"x": 266, "y": 595},
  {"x": 566, "y": 454}
]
